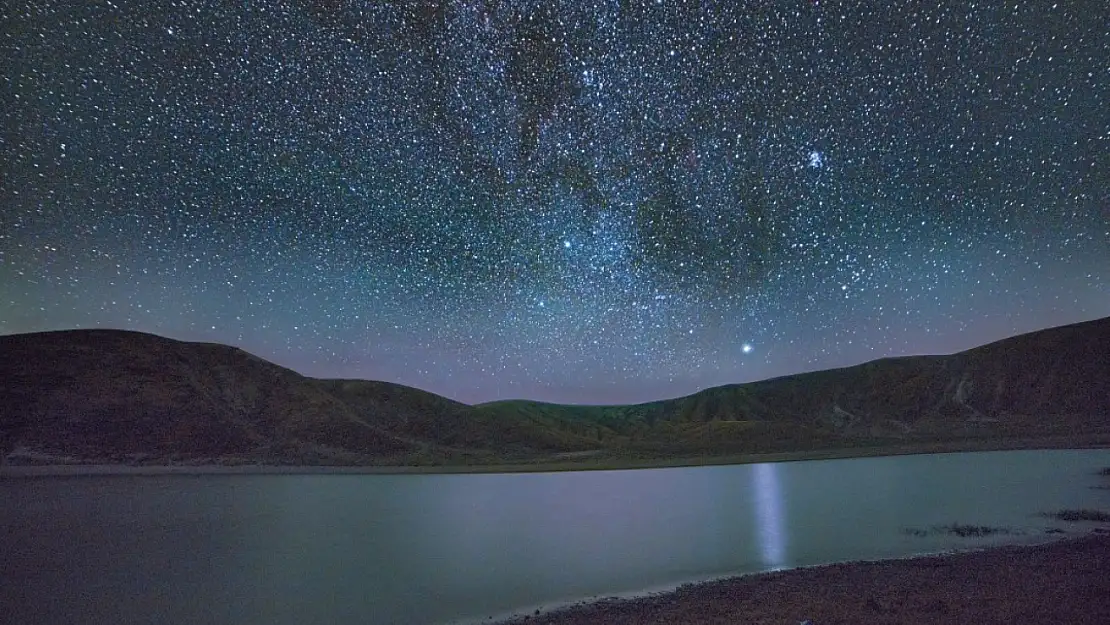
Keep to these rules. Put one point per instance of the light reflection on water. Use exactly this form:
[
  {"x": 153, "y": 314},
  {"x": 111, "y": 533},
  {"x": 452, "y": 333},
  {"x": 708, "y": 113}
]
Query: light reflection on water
[{"x": 768, "y": 514}]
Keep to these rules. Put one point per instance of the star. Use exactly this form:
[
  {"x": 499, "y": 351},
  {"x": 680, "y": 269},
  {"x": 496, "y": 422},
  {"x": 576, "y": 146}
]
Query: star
[{"x": 542, "y": 200}]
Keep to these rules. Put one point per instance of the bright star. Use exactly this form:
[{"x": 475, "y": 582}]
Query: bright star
[
  {"x": 747, "y": 348},
  {"x": 816, "y": 159}
]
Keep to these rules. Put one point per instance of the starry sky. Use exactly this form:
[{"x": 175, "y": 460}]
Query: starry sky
[{"x": 581, "y": 201}]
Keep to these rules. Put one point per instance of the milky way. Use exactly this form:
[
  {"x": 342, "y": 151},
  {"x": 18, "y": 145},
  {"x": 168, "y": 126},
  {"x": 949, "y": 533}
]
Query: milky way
[{"x": 572, "y": 201}]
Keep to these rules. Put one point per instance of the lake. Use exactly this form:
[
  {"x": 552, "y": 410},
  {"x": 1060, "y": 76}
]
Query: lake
[{"x": 409, "y": 549}]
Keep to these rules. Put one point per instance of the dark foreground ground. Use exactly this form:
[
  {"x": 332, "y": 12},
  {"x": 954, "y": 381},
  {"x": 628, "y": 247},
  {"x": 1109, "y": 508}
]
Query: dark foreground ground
[{"x": 1066, "y": 582}]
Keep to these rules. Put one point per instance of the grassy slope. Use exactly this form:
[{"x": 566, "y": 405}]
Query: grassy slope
[
  {"x": 1045, "y": 384},
  {"x": 118, "y": 396},
  {"x": 123, "y": 395}
]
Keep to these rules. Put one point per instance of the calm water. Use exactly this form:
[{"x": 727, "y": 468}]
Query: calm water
[{"x": 307, "y": 549}]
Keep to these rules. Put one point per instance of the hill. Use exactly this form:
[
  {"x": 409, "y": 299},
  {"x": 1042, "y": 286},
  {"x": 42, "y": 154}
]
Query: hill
[
  {"x": 110, "y": 396},
  {"x": 114, "y": 395}
]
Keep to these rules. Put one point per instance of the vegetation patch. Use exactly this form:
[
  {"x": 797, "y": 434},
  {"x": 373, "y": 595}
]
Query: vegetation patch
[
  {"x": 1080, "y": 515},
  {"x": 957, "y": 529}
]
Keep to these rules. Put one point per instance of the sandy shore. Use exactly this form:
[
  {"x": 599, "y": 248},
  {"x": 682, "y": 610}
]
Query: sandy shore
[{"x": 1065, "y": 582}]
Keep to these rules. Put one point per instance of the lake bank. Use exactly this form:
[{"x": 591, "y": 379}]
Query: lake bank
[
  {"x": 587, "y": 464},
  {"x": 1058, "y": 582}
]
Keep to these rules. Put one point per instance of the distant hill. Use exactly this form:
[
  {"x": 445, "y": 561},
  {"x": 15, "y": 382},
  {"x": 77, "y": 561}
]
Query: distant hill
[
  {"x": 105, "y": 394},
  {"x": 112, "y": 396}
]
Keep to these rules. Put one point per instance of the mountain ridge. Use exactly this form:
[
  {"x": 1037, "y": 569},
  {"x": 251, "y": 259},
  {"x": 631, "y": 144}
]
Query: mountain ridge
[{"x": 119, "y": 396}]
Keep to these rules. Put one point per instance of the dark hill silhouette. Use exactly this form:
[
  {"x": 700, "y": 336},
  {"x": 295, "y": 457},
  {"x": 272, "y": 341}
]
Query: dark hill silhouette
[{"x": 117, "y": 396}]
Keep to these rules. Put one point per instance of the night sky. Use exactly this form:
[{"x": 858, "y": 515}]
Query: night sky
[{"x": 585, "y": 202}]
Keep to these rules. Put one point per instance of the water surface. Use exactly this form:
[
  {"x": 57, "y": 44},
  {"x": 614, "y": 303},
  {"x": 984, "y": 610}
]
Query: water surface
[{"x": 408, "y": 549}]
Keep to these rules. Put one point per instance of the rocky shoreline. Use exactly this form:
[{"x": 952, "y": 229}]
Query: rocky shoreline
[{"x": 1066, "y": 581}]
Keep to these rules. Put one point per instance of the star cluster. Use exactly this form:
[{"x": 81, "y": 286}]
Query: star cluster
[{"x": 586, "y": 202}]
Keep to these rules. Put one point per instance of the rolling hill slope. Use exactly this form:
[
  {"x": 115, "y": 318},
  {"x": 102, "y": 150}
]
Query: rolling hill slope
[
  {"x": 125, "y": 395},
  {"x": 117, "y": 396}
]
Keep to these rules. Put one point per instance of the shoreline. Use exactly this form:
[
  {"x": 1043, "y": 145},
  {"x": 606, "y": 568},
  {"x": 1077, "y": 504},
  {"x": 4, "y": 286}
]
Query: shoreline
[
  {"x": 602, "y": 464},
  {"x": 1060, "y": 580}
]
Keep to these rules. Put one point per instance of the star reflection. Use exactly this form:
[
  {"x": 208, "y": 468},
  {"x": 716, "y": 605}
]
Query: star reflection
[{"x": 768, "y": 513}]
